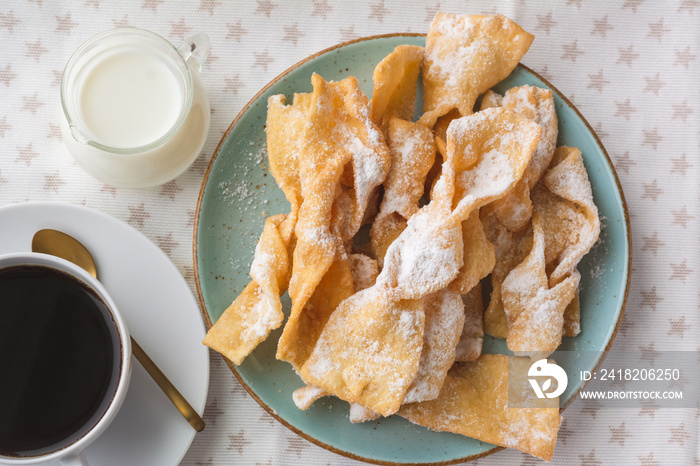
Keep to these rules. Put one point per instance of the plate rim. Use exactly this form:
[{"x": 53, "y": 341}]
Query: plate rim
[{"x": 232, "y": 367}]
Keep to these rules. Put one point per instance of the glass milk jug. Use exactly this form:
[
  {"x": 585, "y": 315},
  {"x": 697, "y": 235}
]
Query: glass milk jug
[{"x": 135, "y": 113}]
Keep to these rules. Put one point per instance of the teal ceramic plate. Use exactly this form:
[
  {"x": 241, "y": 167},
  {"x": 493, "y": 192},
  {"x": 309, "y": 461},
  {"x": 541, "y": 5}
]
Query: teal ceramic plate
[{"x": 238, "y": 192}]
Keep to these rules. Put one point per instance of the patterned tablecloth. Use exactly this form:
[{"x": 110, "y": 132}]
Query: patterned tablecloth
[{"x": 631, "y": 67}]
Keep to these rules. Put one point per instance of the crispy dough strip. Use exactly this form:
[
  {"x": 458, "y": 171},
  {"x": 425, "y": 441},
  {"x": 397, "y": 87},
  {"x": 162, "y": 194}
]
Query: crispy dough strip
[
  {"x": 412, "y": 150},
  {"x": 395, "y": 82},
  {"x": 508, "y": 218},
  {"x": 534, "y": 312},
  {"x": 444, "y": 321},
  {"x": 464, "y": 57},
  {"x": 573, "y": 227},
  {"x": 338, "y": 133},
  {"x": 474, "y": 402},
  {"x": 257, "y": 310},
  {"x": 369, "y": 351},
  {"x": 572, "y": 316},
  {"x": 511, "y": 250},
  {"x": 425, "y": 258},
  {"x": 472, "y": 336},
  {"x": 479, "y": 255},
  {"x": 359, "y": 413}
]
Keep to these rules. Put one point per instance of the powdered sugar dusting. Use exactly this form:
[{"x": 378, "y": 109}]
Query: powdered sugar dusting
[{"x": 444, "y": 320}]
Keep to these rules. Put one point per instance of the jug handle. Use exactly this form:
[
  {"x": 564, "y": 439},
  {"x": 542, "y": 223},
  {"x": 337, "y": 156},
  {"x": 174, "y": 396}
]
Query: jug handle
[{"x": 195, "y": 50}]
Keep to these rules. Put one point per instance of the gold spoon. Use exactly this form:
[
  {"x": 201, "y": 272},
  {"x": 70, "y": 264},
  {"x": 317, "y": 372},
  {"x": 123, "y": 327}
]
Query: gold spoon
[{"x": 59, "y": 244}]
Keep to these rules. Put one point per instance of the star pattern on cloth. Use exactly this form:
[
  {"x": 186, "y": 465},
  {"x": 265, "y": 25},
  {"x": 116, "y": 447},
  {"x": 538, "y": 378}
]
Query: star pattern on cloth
[
  {"x": 597, "y": 81},
  {"x": 295, "y": 445},
  {"x": 654, "y": 84},
  {"x": 6, "y": 75},
  {"x": 651, "y": 299},
  {"x": 430, "y": 12},
  {"x": 632, "y": 5},
  {"x": 678, "y": 327},
  {"x": 688, "y": 6},
  {"x": 65, "y": 24},
  {"x": 545, "y": 22},
  {"x": 26, "y": 154},
  {"x": 682, "y": 217},
  {"x": 8, "y": 21},
  {"x": 601, "y": 27},
  {"x": 652, "y": 138},
  {"x": 263, "y": 59},
  {"x": 591, "y": 408},
  {"x": 265, "y": 7},
  {"x": 152, "y": 5},
  {"x": 35, "y": 50},
  {"x": 347, "y": 34},
  {"x": 624, "y": 162},
  {"x": 590, "y": 459},
  {"x": 179, "y": 29},
  {"x": 122, "y": 23},
  {"x": 109, "y": 190},
  {"x": 680, "y": 165},
  {"x": 209, "y": 6},
  {"x": 233, "y": 84},
  {"x": 682, "y": 111},
  {"x": 679, "y": 435},
  {"x": 4, "y": 127},
  {"x": 565, "y": 433},
  {"x": 619, "y": 434},
  {"x": 378, "y": 11},
  {"x": 648, "y": 460},
  {"x": 167, "y": 243},
  {"x": 649, "y": 354},
  {"x": 571, "y": 51},
  {"x": 684, "y": 57},
  {"x": 322, "y": 9},
  {"x": 658, "y": 30},
  {"x": 54, "y": 182},
  {"x": 649, "y": 408},
  {"x": 651, "y": 190},
  {"x": 54, "y": 132},
  {"x": 57, "y": 77},
  {"x": 625, "y": 109},
  {"x": 627, "y": 55},
  {"x": 138, "y": 215},
  {"x": 681, "y": 271},
  {"x": 170, "y": 190},
  {"x": 292, "y": 33},
  {"x": 212, "y": 412},
  {"x": 236, "y": 31},
  {"x": 238, "y": 441},
  {"x": 32, "y": 103}
]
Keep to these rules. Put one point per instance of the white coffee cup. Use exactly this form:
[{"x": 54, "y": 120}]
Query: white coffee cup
[{"x": 69, "y": 451}]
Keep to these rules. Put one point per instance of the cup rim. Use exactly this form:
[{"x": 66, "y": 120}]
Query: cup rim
[
  {"x": 76, "y": 446},
  {"x": 187, "y": 103}
]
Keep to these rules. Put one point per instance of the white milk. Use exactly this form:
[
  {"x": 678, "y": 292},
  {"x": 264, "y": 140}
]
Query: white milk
[
  {"x": 129, "y": 98},
  {"x": 135, "y": 113}
]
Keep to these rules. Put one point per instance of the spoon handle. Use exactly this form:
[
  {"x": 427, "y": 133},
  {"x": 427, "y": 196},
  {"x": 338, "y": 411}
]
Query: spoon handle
[{"x": 168, "y": 388}]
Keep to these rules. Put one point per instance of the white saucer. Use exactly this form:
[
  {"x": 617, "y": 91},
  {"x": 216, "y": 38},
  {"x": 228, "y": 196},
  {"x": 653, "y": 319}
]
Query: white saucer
[{"x": 161, "y": 313}]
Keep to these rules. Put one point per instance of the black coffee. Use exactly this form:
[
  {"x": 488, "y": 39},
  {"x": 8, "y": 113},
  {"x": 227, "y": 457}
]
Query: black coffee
[{"x": 57, "y": 358}]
